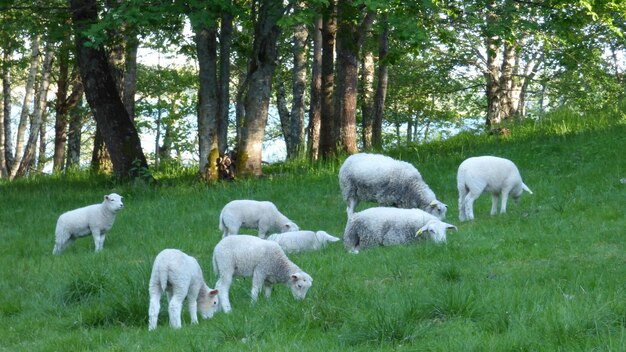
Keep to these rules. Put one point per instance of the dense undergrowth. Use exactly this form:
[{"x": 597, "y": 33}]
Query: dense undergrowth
[{"x": 548, "y": 275}]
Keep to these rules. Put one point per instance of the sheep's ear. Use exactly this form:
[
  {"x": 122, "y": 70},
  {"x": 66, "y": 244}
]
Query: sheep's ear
[
  {"x": 451, "y": 227},
  {"x": 525, "y": 188},
  {"x": 419, "y": 232},
  {"x": 433, "y": 204},
  {"x": 213, "y": 292},
  {"x": 106, "y": 197},
  {"x": 294, "y": 277}
]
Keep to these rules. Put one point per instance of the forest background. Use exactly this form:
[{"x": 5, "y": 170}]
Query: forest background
[{"x": 342, "y": 76}]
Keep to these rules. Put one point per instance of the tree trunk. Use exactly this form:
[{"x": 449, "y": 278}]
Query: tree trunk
[
  {"x": 316, "y": 91},
  {"x": 300, "y": 49},
  {"x": 6, "y": 98},
  {"x": 226, "y": 39},
  {"x": 260, "y": 74},
  {"x": 506, "y": 82},
  {"x": 206, "y": 46},
  {"x": 4, "y": 113},
  {"x": 328, "y": 144},
  {"x": 28, "y": 95},
  {"x": 367, "y": 98},
  {"x": 492, "y": 75},
  {"x": 74, "y": 135},
  {"x": 118, "y": 130},
  {"x": 130, "y": 76},
  {"x": 283, "y": 115},
  {"x": 381, "y": 88}
]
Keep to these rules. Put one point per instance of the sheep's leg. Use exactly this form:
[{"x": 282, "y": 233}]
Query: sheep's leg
[
  {"x": 98, "y": 238},
  {"x": 222, "y": 286},
  {"x": 192, "y": 300},
  {"x": 469, "y": 205},
  {"x": 175, "y": 307},
  {"x": 60, "y": 245},
  {"x": 495, "y": 198},
  {"x": 268, "y": 291},
  {"x": 257, "y": 282},
  {"x": 155, "y": 307},
  {"x": 352, "y": 203},
  {"x": 505, "y": 197},
  {"x": 462, "y": 211}
]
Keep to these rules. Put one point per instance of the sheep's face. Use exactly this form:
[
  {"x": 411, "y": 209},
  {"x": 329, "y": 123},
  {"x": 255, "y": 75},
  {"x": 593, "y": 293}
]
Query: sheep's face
[
  {"x": 289, "y": 226},
  {"x": 208, "y": 303},
  {"x": 299, "y": 284},
  {"x": 114, "y": 202},
  {"x": 437, "y": 209},
  {"x": 436, "y": 230}
]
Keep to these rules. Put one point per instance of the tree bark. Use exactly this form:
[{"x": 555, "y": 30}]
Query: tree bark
[
  {"x": 28, "y": 96},
  {"x": 300, "y": 49},
  {"x": 6, "y": 90},
  {"x": 118, "y": 130},
  {"x": 206, "y": 46},
  {"x": 130, "y": 75},
  {"x": 328, "y": 141},
  {"x": 4, "y": 112},
  {"x": 74, "y": 135},
  {"x": 349, "y": 41},
  {"x": 381, "y": 88},
  {"x": 367, "y": 98},
  {"x": 226, "y": 39},
  {"x": 316, "y": 91},
  {"x": 260, "y": 75}
]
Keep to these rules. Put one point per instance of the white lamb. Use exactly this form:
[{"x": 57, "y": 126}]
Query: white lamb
[
  {"x": 253, "y": 214},
  {"x": 96, "y": 219},
  {"x": 260, "y": 259},
  {"x": 488, "y": 174},
  {"x": 386, "y": 226},
  {"x": 180, "y": 276},
  {"x": 389, "y": 182},
  {"x": 297, "y": 241}
]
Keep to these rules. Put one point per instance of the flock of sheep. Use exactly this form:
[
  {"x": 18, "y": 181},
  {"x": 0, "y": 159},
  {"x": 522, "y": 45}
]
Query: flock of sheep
[{"x": 409, "y": 212}]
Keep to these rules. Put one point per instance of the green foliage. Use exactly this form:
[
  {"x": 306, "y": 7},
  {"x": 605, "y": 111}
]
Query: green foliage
[{"x": 548, "y": 275}]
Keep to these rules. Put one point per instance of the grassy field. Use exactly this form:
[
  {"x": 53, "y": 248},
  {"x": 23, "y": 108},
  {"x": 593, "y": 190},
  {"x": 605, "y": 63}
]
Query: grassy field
[{"x": 550, "y": 275}]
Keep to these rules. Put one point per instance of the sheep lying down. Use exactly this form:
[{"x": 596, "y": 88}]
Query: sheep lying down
[
  {"x": 180, "y": 276},
  {"x": 96, "y": 219},
  {"x": 253, "y": 214},
  {"x": 260, "y": 259},
  {"x": 498, "y": 176},
  {"x": 385, "y": 226},
  {"x": 298, "y": 241}
]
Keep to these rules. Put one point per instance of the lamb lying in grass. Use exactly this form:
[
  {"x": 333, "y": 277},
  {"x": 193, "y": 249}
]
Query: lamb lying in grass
[
  {"x": 488, "y": 174},
  {"x": 96, "y": 219},
  {"x": 298, "y": 241},
  {"x": 253, "y": 214},
  {"x": 389, "y": 182},
  {"x": 180, "y": 276},
  {"x": 263, "y": 260},
  {"x": 383, "y": 226}
]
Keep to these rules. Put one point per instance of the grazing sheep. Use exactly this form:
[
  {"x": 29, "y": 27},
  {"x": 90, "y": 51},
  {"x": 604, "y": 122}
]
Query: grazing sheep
[
  {"x": 389, "y": 182},
  {"x": 487, "y": 174},
  {"x": 180, "y": 276},
  {"x": 96, "y": 219},
  {"x": 253, "y": 214},
  {"x": 385, "y": 226},
  {"x": 263, "y": 260},
  {"x": 297, "y": 241}
]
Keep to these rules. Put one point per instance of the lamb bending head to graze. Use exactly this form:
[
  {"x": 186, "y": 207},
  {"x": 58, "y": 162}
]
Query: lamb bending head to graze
[
  {"x": 480, "y": 174},
  {"x": 389, "y": 182},
  {"x": 385, "y": 226},
  {"x": 297, "y": 241},
  {"x": 96, "y": 219},
  {"x": 253, "y": 214},
  {"x": 180, "y": 276},
  {"x": 260, "y": 259}
]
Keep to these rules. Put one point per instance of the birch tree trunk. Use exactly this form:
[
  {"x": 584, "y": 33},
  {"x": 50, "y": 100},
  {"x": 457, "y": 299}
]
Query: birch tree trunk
[
  {"x": 367, "y": 98},
  {"x": 74, "y": 135},
  {"x": 300, "y": 49},
  {"x": 492, "y": 74},
  {"x": 260, "y": 75},
  {"x": 328, "y": 140},
  {"x": 381, "y": 88},
  {"x": 28, "y": 96},
  {"x": 316, "y": 91},
  {"x": 4, "y": 173},
  {"x": 226, "y": 39},
  {"x": 6, "y": 109}
]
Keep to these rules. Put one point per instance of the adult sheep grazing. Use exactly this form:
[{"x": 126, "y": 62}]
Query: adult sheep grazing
[
  {"x": 180, "y": 276},
  {"x": 488, "y": 174},
  {"x": 298, "y": 241},
  {"x": 386, "y": 226},
  {"x": 389, "y": 182},
  {"x": 96, "y": 219},
  {"x": 260, "y": 259},
  {"x": 253, "y": 214}
]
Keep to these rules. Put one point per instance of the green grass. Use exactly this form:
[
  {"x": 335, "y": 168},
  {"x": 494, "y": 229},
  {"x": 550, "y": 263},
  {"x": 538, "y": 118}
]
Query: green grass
[{"x": 550, "y": 275}]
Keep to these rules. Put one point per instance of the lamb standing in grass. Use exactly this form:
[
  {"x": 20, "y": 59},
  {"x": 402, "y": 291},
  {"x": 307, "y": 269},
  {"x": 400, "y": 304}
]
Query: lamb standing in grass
[
  {"x": 297, "y": 241},
  {"x": 383, "y": 226},
  {"x": 260, "y": 259},
  {"x": 488, "y": 174},
  {"x": 253, "y": 214},
  {"x": 96, "y": 219},
  {"x": 180, "y": 276},
  {"x": 389, "y": 182}
]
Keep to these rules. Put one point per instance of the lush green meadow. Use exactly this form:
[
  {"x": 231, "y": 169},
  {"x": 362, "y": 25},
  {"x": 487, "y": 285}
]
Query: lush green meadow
[{"x": 549, "y": 275}]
